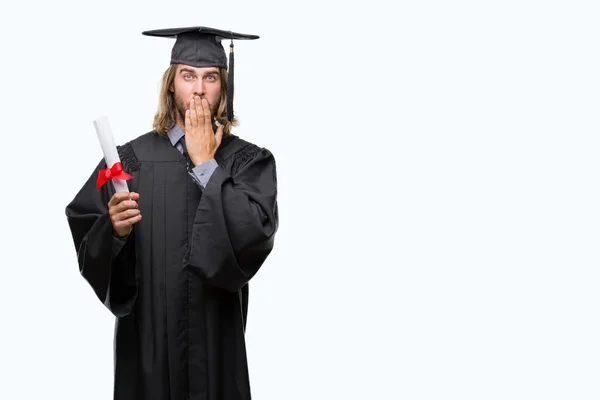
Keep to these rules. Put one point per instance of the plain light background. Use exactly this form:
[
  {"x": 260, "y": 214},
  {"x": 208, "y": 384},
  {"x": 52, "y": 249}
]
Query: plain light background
[{"x": 438, "y": 192}]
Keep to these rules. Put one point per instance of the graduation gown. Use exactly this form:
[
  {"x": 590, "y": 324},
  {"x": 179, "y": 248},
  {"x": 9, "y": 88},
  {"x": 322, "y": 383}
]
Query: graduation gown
[{"x": 178, "y": 286}]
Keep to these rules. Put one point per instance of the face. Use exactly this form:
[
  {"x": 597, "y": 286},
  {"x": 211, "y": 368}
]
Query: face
[{"x": 191, "y": 81}]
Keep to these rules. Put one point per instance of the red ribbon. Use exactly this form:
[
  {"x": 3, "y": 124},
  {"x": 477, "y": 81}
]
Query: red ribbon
[{"x": 115, "y": 172}]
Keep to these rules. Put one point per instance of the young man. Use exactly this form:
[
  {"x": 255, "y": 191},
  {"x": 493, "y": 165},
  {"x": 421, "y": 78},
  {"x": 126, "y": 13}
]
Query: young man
[{"x": 171, "y": 259}]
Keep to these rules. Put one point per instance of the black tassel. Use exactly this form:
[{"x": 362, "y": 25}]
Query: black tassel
[{"x": 230, "y": 84}]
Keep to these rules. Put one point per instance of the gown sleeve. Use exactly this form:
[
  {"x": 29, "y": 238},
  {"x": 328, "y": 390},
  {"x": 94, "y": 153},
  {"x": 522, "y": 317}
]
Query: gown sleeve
[
  {"x": 107, "y": 263},
  {"x": 236, "y": 220}
]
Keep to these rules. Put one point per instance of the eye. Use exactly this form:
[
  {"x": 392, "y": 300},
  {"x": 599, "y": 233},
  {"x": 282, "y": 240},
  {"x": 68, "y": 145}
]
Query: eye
[
  {"x": 211, "y": 78},
  {"x": 188, "y": 77}
]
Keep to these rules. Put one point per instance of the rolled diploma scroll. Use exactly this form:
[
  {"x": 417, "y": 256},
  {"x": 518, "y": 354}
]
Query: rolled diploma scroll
[{"x": 111, "y": 156}]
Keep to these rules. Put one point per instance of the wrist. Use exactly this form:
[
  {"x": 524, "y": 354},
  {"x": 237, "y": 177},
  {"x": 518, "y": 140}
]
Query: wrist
[
  {"x": 197, "y": 160},
  {"x": 122, "y": 235}
]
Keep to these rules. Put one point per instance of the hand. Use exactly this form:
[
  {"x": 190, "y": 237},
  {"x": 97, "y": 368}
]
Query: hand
[
  {"x": 200, "y": 139},
  {"x": 124, "y": 212}
]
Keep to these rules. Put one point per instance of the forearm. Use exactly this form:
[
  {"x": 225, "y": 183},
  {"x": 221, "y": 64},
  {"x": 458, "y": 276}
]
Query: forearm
[
  {"x": 233, "y": 231},
  {"x": 108, "y": 264}
]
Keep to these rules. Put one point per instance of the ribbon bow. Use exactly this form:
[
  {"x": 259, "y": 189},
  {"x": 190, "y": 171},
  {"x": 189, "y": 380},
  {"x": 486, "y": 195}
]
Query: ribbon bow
[{"x": 115, "y": 172}]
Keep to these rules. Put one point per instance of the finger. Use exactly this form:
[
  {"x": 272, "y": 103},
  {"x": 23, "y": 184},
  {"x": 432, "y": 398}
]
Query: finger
[
  {"x": 219, "y": 135},
  {"x": 125, "y": 215},
  {"x": 199, "y": 110},
  {"x": 188, "y": 122},
  {"x": 115, "y": 213},
  {"x": 206, "y": 111},
  {"x": 122, "y": 206},
  {"x": 133, "y": 220},
  {"x": 118, "y": 197},
  {"x": 193, "y": 114},
  {"x": 128, "y": 222},
  {"x": 125, "y": 205}
]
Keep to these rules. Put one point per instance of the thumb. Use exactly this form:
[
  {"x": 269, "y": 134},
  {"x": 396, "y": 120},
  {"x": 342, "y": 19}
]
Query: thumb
[{"x": 219, "y": 135}]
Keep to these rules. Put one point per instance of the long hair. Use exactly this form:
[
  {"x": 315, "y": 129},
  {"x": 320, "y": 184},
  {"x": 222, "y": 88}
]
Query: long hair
[{"x": 165, "y": 119}]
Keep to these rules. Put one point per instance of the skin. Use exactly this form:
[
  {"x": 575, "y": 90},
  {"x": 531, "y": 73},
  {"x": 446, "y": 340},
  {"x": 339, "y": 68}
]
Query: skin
[
  {"x": 197, "y": 92},
  {"x": 124, "y": 212}
]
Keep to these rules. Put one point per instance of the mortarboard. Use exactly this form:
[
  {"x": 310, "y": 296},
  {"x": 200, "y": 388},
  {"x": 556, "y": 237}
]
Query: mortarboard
[{"x": 200, "y": 46}]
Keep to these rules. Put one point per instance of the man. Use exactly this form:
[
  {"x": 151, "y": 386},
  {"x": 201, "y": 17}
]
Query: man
[{"x": 171, "y": 259}]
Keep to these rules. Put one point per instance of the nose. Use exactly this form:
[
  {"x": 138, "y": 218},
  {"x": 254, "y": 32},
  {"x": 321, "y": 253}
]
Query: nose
[{"x": 199, "y": 89}]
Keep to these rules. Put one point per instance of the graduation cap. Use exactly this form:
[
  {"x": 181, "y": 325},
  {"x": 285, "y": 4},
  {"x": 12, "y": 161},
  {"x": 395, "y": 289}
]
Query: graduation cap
[{"x": 200, "y": 46}]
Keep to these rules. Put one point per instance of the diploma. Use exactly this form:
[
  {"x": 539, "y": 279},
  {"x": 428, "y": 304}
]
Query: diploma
[{"x": 114, "y": 170}]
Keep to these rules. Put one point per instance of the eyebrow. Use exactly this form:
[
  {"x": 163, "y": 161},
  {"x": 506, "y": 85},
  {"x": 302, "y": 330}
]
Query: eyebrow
[{"x": 191, "y": 71}]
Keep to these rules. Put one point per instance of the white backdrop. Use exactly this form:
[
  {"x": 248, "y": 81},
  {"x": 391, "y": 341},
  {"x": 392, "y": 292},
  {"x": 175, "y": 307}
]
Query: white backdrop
[{"x": 437, "y": 189}]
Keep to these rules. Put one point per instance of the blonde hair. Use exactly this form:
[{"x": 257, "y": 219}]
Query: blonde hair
[{"x": 165, "y": 119}]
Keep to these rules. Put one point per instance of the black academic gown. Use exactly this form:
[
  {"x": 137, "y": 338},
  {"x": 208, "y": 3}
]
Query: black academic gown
[{"x": 179, "y": 285}]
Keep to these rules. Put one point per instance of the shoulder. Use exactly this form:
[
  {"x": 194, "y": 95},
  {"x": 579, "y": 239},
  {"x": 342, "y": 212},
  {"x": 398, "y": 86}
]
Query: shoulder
[
  {"x": 235, "y": 153},
  {"x": 236, "y": 147},
  {"x": 146, "y": 140},
  {"x": 130, "y": 152},
  {"x": 239, "y": 151}
]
